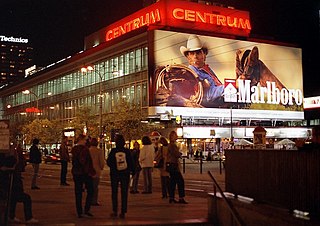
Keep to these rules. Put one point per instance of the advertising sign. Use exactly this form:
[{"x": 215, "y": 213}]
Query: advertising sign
[
  {"x": 4, "y": 136},
  {"x": 202, "y": 72}
]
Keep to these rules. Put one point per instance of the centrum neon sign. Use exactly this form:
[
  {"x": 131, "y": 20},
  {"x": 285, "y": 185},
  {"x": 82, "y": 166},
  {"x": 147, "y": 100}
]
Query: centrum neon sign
[
  {"x": 210, "y": 18},
  {"x": 148, "y": 18}
]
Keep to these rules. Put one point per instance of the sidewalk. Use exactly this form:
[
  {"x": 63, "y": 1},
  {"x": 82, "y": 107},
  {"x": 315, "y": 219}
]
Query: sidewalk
[{"x": 55, "y": 205}]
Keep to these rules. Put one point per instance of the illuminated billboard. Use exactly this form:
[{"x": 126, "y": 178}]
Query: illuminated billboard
[{"x": 203, "y": 75}]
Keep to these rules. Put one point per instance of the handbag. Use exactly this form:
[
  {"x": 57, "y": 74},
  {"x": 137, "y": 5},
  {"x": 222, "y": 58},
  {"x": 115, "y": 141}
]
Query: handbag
[
  {"x": 159, "y": 163},
  {"x": 171, "y": 167}
]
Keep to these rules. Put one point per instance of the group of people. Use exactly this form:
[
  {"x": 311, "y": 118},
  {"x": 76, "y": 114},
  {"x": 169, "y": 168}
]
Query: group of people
[{"x": 125, "y": 166}]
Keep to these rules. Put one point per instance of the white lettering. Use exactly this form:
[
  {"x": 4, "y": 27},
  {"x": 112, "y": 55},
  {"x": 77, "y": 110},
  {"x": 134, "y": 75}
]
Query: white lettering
[
  {"x": 269, "y": 94},
  {"x": 12, "y": 39}
]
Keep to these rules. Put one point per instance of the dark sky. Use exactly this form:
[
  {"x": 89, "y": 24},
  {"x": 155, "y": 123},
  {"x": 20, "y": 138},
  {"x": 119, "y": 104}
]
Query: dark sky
[{"x": 57, "y": 28}]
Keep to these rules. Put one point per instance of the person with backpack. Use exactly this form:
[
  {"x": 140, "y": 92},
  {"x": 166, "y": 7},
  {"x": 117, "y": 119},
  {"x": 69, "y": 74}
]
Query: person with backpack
[{"x": 121, "y": 165}]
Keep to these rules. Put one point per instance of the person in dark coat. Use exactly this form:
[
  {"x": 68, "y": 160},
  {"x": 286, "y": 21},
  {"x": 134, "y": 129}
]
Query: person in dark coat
[
  {"x": 135, "y": 152},
  {"x": 64, "y": 158},
  {"x": 82, "y": 172},
  {"x": 35, "y": 159},
  {"x": 121, "y": 165}
]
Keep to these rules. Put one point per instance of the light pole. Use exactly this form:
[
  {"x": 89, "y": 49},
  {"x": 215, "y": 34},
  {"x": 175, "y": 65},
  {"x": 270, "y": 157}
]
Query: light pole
[
  {"x": 85, "y": 70},
  {"x": 27, "y": 92}
]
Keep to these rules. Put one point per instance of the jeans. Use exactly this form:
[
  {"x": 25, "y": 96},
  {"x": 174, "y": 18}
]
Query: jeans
[
  {"x": 79, "y": 181},
  {"x": 64, "y": 171},
  {"x": 27, "y": 205},
  {"x": 35, "y": 174},
  {"x": 135, "y": 181},
  {"x": 176, "y": 179},
  {"x": 165, "y": 183},
  {"x": 96, "y": 181},
  {"x": 147, "y": 176},
  {"x": 123, "y": 178}
]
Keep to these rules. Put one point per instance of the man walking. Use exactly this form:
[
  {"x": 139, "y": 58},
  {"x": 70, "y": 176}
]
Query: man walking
[{"x": 65, "y": 158}]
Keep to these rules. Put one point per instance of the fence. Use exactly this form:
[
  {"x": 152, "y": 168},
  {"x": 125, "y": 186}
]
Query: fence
[{"x": 285, "y": 178}]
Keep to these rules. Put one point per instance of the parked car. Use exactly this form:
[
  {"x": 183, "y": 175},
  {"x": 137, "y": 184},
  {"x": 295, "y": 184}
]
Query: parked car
[{"x": 53, "y": 158}]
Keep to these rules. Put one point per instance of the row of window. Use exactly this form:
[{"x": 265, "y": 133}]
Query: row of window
[{"x": 129, "y": 62}]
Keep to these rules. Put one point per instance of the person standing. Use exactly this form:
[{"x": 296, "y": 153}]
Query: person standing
[
  {"x": 164, "y": 175},
  {"x": 121, "y": 165},
  {"x": 35, "y": 160},
  {"x": 65, "y": 158},
  {"x": 146, "y": 161},
  {"x": 18, "y": 194},
  {"x": 176, "y": 178},
  {"x": 82, "y": 171},
  {"x": 98, "y": 165},
  {"x": 135, "y": 157}
]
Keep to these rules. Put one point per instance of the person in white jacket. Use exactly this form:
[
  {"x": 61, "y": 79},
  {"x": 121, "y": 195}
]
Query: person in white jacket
[
  {"x": 146, "y": 161},
  {"x": 98, "y": 162}
]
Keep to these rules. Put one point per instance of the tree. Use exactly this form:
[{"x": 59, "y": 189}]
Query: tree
[
  {"x": 39, "y": 128},
  {"x": 126, "y": 118},
  {"x": 85, "y": 119}
]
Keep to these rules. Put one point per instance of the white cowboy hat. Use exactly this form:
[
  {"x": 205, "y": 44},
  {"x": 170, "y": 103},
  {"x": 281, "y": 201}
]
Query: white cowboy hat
[{"x": 194, "y": 43}]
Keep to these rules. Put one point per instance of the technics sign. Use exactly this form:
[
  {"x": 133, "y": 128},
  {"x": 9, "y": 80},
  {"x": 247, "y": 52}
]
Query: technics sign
[{"x": 12, "y": 39}]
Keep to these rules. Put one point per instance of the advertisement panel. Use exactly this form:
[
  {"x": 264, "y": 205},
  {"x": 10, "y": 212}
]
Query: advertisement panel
[{"x": 202, "y": 73}]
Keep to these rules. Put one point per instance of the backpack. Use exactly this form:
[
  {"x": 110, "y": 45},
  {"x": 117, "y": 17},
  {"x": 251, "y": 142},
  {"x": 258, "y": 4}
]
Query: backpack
[{"x": 121, "y": 161}]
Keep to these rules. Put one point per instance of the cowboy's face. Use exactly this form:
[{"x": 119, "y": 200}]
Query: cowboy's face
[{"x": 196, "y": 58}]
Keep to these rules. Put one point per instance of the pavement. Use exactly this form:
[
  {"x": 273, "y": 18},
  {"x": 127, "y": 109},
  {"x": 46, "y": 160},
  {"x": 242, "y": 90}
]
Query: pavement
[{"x": 54, "y": 205}]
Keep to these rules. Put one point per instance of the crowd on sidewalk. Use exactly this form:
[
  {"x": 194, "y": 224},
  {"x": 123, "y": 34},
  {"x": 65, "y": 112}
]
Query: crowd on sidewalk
[{"x": 88, "y": 161}]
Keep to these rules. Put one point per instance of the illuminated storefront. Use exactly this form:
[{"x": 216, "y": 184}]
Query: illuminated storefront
[{"x": 141, "y": 58}]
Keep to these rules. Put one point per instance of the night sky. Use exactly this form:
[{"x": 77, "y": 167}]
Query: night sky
[{"x": 56, "y": 28}]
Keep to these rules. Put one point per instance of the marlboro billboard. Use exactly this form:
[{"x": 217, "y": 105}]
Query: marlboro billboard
[{"x": 202, "y": 75}]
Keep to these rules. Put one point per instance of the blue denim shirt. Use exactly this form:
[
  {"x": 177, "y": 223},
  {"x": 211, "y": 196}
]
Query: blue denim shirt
[{"x": 215, "y": 91}]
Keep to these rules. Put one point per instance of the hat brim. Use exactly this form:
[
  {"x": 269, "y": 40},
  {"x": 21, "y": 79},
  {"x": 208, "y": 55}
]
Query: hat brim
[{"x": 184, "y": 50}]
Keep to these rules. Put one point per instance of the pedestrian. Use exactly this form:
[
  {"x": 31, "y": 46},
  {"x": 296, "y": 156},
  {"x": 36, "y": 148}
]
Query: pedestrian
[
  {"x": 64, "y": 159},
  {"x": 82, "y": 172},
  {"x": 121, "y": 165},
  {"x": 17, "y": 193},
  {"x": 98, "y": 165},
  {"x": 146, "y": 161},
  {"x": 35, "y": 160},
  {"x": 135, "y": 152},
  {"x": 164, "y": 175},
  {"x": 174, "y": 168}
]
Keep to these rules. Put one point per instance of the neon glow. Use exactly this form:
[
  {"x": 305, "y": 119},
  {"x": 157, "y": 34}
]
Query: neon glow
[
  {"x": 210, "y": 18},
  {"x": 151, "y": 17}
]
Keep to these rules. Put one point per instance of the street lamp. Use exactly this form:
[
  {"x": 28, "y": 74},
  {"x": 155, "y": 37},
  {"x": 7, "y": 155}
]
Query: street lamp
[{"x": 27, "y": 92}]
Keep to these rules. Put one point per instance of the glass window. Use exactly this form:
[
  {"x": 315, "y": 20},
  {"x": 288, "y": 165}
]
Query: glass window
[
  {"x": 145, "y": 58},
  {"x": 138, "y": 59}
]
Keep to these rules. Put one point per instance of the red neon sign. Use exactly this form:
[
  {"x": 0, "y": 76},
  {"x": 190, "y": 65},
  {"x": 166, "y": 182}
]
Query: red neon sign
[
  {"x": 185, "y": 15},
  {"x": 32, "y": 110}
]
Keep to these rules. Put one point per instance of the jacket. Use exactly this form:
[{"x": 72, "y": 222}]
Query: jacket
[
  {"x": 97, "y": 160},
  {"x": 146, "y": 156},
  {"x": 64, "y": 153},
  {"x": 81, "y": 161},
  {"x": 35, "y": 154},
  {"x": 112, "y": 162}
]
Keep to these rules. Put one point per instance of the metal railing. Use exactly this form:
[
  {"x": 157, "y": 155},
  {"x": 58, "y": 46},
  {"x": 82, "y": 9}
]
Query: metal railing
[{"x": 230, "y": 206}]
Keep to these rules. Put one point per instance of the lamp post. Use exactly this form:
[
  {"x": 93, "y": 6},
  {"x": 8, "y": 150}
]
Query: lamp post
[
  {"x": 27, "y": 92},
  {"x": 91, "y": 68}
]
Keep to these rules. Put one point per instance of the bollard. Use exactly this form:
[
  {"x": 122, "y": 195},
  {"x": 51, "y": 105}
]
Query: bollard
[{"x": 201, "y": 165}]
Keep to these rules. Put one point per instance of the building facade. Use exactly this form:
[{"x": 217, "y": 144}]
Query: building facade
[{"x": 139, "y": 58}]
